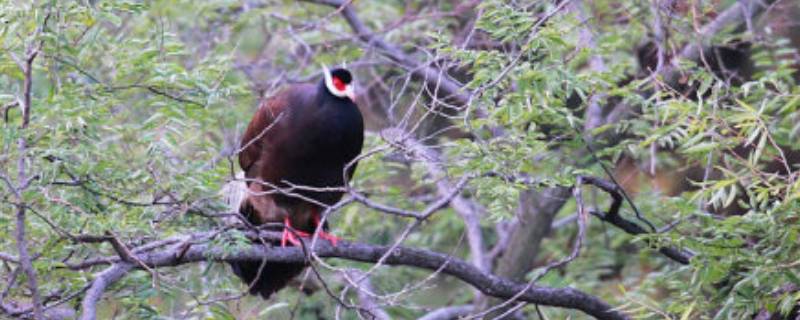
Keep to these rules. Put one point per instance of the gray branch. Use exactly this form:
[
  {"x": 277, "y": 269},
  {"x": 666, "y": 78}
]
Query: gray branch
[
  {"x": 447, "y": 313},
  {"x": 468, "y": 210},
  {"x": 487, "y": 283},
  {"x": 447, "y": 89}
]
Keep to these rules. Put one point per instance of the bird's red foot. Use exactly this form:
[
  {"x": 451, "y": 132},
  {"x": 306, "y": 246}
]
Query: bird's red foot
[
  {"x": 327, "y": 236},
  {"x": 289, "y": 236},
  {"x": 324, "y": 235}
]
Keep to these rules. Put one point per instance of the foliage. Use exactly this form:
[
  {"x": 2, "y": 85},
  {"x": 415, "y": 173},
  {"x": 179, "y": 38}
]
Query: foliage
[{"x": 137, "y": 106}]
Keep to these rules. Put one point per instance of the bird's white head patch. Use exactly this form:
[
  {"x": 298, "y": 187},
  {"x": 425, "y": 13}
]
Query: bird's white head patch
[{"x": 339, "y": 82}]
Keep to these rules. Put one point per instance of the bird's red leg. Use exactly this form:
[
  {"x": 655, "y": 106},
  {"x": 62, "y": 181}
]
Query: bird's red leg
[
  {"x": 289, "y": 236},
  {"x": 322, "y": 234}
]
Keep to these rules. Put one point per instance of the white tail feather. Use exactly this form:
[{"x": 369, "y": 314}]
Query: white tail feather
[{"x": 233, "y": 193}]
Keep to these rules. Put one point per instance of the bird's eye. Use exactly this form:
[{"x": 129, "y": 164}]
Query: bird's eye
[{"x": 338, "y": 83}]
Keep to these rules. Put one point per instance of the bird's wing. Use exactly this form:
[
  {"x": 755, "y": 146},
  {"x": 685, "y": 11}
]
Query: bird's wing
[
  {"x": 255, "y": 159},
  {"x": 265, "y": 120}
]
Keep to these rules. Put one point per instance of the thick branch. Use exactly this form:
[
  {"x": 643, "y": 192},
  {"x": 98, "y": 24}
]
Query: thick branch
[
  {"x": 446, "y": 313},
  {"x": 99, "y": 285},
  {"x": 536, "y": 210},
  {"x": 487, "y": 283}
]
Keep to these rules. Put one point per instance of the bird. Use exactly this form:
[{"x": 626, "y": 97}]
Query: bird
[{"x": 296, "y": 155}]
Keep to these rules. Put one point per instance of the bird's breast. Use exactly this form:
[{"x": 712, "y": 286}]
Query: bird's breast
[
  {"x": 326, "y": 140},
  {"x": 336, "y": 130}
]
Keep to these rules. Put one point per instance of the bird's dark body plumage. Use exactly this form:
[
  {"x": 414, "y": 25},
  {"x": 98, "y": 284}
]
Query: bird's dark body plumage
[{"x": 303, "y": 136}]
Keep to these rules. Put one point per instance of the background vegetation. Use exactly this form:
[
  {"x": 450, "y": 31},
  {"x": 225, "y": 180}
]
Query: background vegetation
[{"x": 120, "y": 123}]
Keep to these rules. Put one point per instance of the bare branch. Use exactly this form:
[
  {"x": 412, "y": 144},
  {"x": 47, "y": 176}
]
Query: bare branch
[
  {"x": 501, "y": 310},
  {"x": 738, "y": 13},
  {"x": 487, "y": 283},
  {"x": 365, "y": 295},
  {"x": 8, "y": 258},
  {"x": 23, "y": 179},
  {"x": 7, "y": 107},
  {"x": 468, "y": 210},
  {"x": 99, "y": 285},
  {"x": 448, "y": 89},
  {"x": 613, "y": 217},
  {"x": 447, "y": 313},
  {"x": 128, "y": 256}
]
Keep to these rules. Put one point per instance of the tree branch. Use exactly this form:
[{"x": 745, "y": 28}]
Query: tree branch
[
  {"x": 468, "y": 210},
  {"x": 99, "y": 285},
  {"x": 447, "y": 89},
  {"x": 26, "y": 65},
  {"x": 613, "y": 217},
  {"x": 447, "y": 313},
  {"x": 8, "y": 258},
  {"x": 488, "y": 283},
  {"x": 365, "y": 294},
  {"x": 739, "y": 12}
]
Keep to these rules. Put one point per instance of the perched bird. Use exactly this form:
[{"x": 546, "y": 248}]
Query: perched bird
[{"x": 296, "y": 154}]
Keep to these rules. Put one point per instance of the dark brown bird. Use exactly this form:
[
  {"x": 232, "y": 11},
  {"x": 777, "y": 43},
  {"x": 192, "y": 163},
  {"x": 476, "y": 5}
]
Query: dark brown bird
[{"x": 305, "y": 138}]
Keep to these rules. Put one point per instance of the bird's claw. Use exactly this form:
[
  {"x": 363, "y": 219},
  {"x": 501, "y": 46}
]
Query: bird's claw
[
  {"x": 327, "y": 236},
  {"x": 291, "y": 236},
  {"x": 322, "y": 234}
]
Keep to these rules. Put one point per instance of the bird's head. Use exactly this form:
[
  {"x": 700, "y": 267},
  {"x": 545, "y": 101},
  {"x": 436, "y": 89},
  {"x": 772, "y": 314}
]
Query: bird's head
[{"x": 339, "y": 83}]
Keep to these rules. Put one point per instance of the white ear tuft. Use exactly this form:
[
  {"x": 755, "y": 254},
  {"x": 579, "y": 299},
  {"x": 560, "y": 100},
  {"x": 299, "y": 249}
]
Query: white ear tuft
[{"x": 329, "y": 83}]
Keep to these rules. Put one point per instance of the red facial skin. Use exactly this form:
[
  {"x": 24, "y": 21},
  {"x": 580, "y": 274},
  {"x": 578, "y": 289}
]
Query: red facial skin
[{"x": 339, "y": 84}]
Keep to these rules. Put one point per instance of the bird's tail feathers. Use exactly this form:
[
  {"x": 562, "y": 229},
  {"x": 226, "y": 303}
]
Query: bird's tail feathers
[{"x": 274, "y": 276}]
